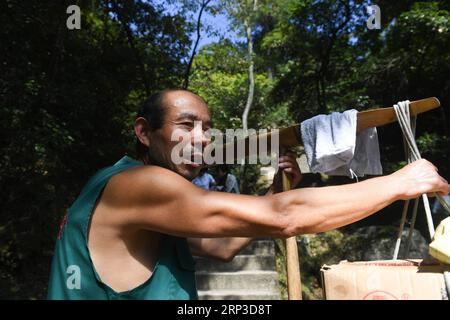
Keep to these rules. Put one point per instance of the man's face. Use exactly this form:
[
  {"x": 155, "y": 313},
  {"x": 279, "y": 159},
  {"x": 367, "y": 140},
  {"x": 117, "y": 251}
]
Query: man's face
[{"x": 186, "y": 120}]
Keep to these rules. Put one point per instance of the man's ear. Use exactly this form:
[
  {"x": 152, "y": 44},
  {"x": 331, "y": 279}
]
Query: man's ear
[{"x": 142, "y": 130}]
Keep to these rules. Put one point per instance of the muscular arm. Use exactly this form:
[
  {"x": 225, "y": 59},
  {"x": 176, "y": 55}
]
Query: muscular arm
[
  {"x": 160, "y": 200},
  {"x": 224, "y": 249}
]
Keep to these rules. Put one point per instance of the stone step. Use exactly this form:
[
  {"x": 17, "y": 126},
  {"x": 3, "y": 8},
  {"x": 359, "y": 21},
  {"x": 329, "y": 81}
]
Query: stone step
[
  {"x": 241, "y": 280},
  {"x": 239, "y": 263},
  {"x": 238, "y": 295},
  {"x": 259, "y": 247}
]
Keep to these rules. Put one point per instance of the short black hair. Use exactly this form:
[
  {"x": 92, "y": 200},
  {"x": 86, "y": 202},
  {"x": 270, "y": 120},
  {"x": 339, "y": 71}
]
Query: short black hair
[{"x": 154, "y": 111}]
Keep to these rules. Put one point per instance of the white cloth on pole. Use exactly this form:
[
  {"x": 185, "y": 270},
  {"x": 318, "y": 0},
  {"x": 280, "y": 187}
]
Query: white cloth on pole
[{"x": 333, "y": 147}]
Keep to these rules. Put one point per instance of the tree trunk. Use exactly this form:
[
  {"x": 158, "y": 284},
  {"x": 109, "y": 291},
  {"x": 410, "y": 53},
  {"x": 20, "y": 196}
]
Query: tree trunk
[
  {"x": 251, "y": 82},
  {"x": 251, "y": 77}
]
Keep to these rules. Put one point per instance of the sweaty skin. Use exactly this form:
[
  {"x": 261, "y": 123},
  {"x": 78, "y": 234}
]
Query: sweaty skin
[{"x": 140, "y": 204}]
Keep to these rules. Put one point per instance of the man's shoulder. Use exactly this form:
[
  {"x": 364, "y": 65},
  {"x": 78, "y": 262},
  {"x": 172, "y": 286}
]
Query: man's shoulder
[
  {"x": 149, "y": 181},
  {"x": 146, "y": 175}
]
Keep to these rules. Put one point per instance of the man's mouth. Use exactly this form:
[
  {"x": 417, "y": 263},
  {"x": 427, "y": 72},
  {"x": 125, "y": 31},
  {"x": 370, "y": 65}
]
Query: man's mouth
[
  {"x": 196, "y": 160},
  {"x": 192, "y": 163}
]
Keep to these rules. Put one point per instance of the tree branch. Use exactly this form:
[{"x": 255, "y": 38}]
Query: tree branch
[
  {"x": 131, "y": 42},
  {"x": 194, "y": 51},
  {"x": 325, "y": 60}
]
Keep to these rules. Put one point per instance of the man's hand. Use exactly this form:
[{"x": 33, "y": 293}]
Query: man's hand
[
  {"x": 288, "y": 164},
  {"x": 418, "y": 178}
]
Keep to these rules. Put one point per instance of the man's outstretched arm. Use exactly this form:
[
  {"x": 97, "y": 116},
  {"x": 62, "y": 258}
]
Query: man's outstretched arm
[
  {"x": 160, "y": 200},
  {"x": 226, "y": 249}
]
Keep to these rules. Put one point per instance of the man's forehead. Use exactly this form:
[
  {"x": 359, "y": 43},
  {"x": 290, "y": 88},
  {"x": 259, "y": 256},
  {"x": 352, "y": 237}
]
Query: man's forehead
[
  {"x": 181, "y": 98},
  {"x": 188, "y": 105}
]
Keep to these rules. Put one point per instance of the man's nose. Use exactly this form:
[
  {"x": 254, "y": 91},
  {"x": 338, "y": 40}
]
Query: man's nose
[{"x": 201, "y": 136}]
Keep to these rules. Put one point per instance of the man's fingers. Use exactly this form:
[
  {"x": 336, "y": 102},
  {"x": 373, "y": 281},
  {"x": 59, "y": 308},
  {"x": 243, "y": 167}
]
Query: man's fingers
[
  {"x": 291, "y": 169},
  {"x": 430, "y": 163},
  {"x": 446, "y": 189},
  {"x": 443, "y": 188},
  {"x": 286, "y": 165},
  {"x": 287, "y": 158}
]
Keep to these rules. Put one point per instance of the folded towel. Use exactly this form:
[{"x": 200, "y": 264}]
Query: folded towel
[{"x": 333, "y": 147}]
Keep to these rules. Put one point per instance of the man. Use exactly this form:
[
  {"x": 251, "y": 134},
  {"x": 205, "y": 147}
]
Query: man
[
  {"x": 226, "y": 181},
  {"x": 204, "y": 180},
  {"x": 125, "y": 235}
]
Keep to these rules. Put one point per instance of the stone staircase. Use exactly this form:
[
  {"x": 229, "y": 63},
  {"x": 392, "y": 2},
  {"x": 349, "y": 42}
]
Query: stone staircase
[{"x": 251, "y": 275}]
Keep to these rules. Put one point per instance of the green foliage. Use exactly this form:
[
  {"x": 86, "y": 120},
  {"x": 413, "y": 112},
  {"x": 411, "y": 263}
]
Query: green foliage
[
  {"x": 68, "y": 98},
  {"x": 220, "y": 77},
  {"x": 67, "y": 102}
]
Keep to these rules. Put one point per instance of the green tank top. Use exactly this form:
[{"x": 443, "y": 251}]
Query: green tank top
[{"x": 73, "y": 275}]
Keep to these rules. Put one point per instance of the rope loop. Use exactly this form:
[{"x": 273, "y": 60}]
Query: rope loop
[{"x": 408, "y": 126}]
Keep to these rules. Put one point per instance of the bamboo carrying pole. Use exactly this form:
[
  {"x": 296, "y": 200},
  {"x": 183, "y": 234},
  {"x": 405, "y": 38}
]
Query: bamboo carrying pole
[{"x": 290, "y": 137}]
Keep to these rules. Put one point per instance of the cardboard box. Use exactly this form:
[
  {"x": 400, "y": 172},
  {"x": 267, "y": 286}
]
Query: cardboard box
[{"x": 385, "y": 280}]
